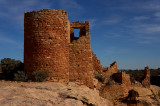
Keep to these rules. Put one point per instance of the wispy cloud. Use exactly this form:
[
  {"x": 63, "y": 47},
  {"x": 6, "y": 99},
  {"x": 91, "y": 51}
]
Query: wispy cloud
[
  {"x": 7, "y": 40},
  {"x": 20, "y": 47},
  {"x": 14, "y": 10},
  {"x": 146, "y": 39},
  {"x": 136, "y": 32},
  {"x": 113, "y": 35},
  {"x": 138, "y": 5},
  {"x": 150, "y": 5},
  {"x": 116, "y": 50},
  {"x": 111, "y": 21},
  {"x": 157, "y": 14},
  {"x": 145, "y": 33},
  {"x": 140, "y": 18},
  {"x": 70, "y": 4},
  {"x": 146, "y": 28}
]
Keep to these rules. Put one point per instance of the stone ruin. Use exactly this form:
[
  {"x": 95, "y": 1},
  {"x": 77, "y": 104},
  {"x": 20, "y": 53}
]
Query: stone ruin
[
  {"x": 51, "y": 45},
  {"x": 146, "y": 79}
]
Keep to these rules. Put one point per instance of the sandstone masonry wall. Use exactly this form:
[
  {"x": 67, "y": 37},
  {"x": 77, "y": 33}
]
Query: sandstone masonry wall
[
  {"x": 46, "y": 38},
  {"x": 110, "y": 70},
  {"x": 122, "y": 78},
  {"x": 81, "y": 65},
  {"x": 50, "y": 45},
  {"x": 96, "y": 63}
]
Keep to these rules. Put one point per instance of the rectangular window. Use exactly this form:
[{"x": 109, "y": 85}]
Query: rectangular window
[{"x": 76, "y": 32}]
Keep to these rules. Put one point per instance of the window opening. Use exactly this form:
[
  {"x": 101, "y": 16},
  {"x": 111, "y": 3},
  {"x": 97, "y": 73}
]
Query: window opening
[{"x": 76, "y": 32}]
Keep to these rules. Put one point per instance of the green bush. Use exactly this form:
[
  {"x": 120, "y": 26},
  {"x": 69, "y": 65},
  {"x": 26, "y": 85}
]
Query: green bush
[
  {"x": 20, "y": 76},
  {"x": 10, "y": 67},
  {"x": 39, "y": 76}
]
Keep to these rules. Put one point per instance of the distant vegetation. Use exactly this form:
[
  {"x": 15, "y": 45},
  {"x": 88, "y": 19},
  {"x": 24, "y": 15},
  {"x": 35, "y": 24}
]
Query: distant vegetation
[
  {"x": 13, "y": 70},
  {"x": 10, "y": 67},
  {"x": 0, "y": 69}
]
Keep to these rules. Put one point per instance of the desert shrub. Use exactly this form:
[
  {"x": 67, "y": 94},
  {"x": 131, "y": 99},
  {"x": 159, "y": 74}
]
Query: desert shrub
[
  {"x": 10, "y": 67},
  {"x": 39, "y": 76},
  {"x": 20, "y": 76}
]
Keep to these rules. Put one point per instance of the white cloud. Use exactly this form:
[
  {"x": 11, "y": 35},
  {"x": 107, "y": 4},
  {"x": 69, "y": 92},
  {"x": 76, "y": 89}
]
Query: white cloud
[{"x": 139, "y": 18}]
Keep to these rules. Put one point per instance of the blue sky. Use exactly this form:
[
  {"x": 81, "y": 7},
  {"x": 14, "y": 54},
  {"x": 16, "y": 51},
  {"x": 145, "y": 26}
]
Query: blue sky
[{"x": 126, "y": 31}]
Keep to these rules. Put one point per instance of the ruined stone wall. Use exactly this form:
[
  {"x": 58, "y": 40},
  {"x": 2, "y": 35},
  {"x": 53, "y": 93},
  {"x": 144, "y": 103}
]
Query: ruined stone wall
[
  {"x": 46, "y": 38},
  {"x": 81, "y": 65},
  {"x": 122, "y": 78},
  {"x": 126, "y": 79},
  {"x": 96, "y": 63},
  {"x": 146, "y": 79},
  {"x": 50, "y": 45},
  {"x": 110, "y": 70}
]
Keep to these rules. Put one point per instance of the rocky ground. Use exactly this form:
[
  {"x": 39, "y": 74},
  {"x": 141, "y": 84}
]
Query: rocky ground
[
  {"x": 71, "y": 94},
  {"x": 48, "y": 93},
  {"x": 120, "y": 94}
]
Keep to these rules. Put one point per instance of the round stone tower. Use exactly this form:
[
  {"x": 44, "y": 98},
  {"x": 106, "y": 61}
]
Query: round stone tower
[{"x": 46, "y": 43}]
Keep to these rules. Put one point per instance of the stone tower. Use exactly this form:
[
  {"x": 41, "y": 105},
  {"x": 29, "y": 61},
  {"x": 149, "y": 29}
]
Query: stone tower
[
  {"x": 46, "y": 38},
  {"x": 50, "y": 45}
]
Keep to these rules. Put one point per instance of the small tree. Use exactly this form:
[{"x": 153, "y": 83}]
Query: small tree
[
  {"x": 39, "y": 76},
  {"x": 10, "y": 67}
]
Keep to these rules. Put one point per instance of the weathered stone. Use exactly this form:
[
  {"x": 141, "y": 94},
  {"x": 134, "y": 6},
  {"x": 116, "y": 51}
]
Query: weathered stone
[
  {"x": 122, "y": 78},
  {"x": 50, "y": 44},
  {"x": 110, "y": 70},
  {"x": 146, "y": 79}
]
